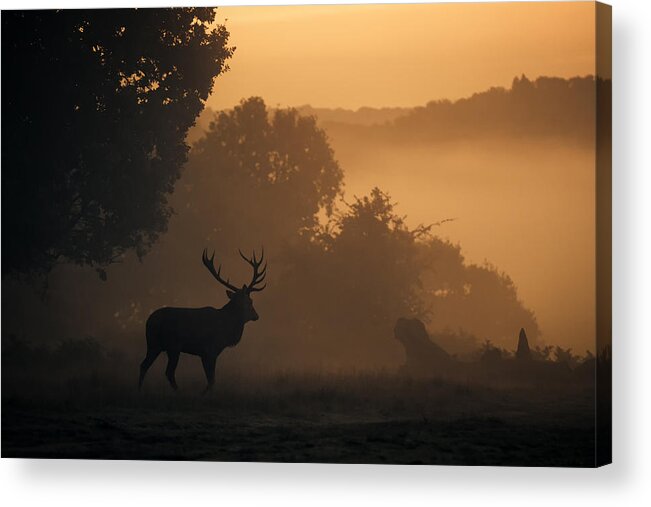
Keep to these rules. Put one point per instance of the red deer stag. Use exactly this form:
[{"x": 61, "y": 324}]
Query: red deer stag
[{"x": 203, "y": 332}]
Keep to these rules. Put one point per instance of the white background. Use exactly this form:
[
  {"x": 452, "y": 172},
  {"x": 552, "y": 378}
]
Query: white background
[{"x": 626, "y": 482}]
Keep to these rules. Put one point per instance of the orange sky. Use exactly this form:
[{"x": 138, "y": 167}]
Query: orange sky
[{"x": 398, "y": 55}]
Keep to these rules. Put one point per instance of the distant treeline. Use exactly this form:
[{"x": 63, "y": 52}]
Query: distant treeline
[
  {"x": 548, "y": 107},
  {"x": 361, "y": 116}
]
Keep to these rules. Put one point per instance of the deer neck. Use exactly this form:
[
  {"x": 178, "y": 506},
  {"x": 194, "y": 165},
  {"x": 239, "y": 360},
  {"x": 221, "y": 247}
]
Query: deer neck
[{"x": 234, "y": 322}]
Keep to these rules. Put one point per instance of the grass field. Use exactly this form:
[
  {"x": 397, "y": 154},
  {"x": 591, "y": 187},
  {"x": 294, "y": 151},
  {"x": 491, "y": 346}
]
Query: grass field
[{"x": 338, "y": 418}]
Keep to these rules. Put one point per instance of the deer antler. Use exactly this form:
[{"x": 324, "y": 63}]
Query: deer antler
[
  {"x": 258, "y": 276},
  {"x": 211, "y": 267}
]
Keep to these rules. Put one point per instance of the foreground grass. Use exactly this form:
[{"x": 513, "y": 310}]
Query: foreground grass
[{"x": 343, "y": 418}]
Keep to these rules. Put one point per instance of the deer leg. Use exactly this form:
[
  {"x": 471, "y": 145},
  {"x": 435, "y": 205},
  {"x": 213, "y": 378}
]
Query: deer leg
[
  {"x": 146, "y": 363},
  {"x": 172, "y": 361},
  {"x": 209, "y": 368}
]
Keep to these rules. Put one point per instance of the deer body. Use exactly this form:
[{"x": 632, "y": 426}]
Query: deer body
[
  {"x": 203, "y": 332},
  {"x": 196, "y": 331}
]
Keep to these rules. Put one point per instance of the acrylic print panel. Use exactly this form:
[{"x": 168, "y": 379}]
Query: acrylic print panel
[{"x": 343, "y": 234}]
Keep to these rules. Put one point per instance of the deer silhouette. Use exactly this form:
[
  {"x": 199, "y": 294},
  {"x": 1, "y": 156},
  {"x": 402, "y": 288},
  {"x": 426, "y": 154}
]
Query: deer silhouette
[{"x": 203, "y": 332}]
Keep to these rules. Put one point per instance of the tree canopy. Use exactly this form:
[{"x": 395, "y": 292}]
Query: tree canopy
[
  {"x": 347, "y": 284},
  {"x": 96, "y": 105},
  {"x": 267, "y": 172}
]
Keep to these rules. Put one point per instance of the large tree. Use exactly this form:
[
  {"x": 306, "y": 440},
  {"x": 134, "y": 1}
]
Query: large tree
[
  {"x": 346, "y": 285},
  {"x": 259, "y": 175},
  {"x": 96, "y": 105}
]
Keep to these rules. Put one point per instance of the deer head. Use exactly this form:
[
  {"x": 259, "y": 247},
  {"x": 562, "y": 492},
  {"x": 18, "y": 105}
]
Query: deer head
[{"x": 240, "y": 298}]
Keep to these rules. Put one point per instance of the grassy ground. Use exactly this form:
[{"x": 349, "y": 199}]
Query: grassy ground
[{"x": 356, "y": 418}]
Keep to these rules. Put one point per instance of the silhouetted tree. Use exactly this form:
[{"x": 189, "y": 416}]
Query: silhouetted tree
[
  {"x": 269, "y": 174},
  {"x": 96, "y": 105},
  {"x": 365, "y": 269}
]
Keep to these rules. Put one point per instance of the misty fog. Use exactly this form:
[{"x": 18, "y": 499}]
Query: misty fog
[
  {"x": 526, "y": 207},
  {"x": 510, "y": 214}
]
